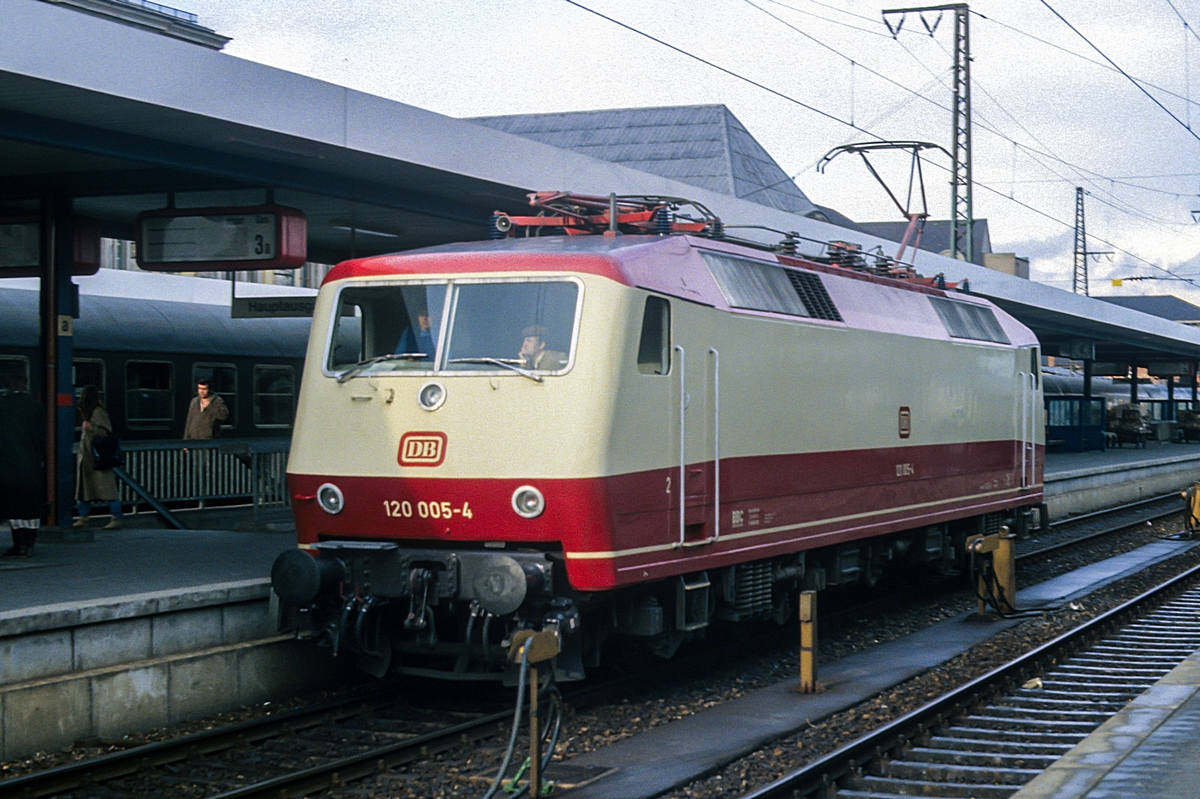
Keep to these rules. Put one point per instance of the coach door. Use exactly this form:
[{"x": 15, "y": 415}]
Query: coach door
[{"x": 698, "y": 436}]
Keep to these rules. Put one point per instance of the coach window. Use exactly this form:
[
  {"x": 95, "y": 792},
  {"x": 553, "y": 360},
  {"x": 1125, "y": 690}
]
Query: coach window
[
  {"x": 222, "y": 381},
  {"x": 88, "y": 372},
  {"x": 274, "y": 396},
  {"x": 654, "y": 349},
  {"x": 149, "y": 390},
  {"x": 13, "y": 369}
]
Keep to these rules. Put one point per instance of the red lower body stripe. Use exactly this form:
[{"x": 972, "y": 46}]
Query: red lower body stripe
[{"x": 626, "y": 528}]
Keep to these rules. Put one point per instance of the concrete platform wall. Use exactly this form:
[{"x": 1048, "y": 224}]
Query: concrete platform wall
[
  {"x": 132, "y": 664},
  {"x": 1070, "y": 493}
]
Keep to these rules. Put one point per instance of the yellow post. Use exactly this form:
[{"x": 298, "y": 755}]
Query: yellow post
[
  {"x": 808, "y": 642},
  {"x": 1004, "y": 562},
  {"x": 535, "y": 738}
]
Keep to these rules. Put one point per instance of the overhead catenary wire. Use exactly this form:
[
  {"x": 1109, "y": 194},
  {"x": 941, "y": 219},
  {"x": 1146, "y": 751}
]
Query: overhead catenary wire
[
  {"x": 835, "y": 118},
  {"x": 1115, "y": 66}
]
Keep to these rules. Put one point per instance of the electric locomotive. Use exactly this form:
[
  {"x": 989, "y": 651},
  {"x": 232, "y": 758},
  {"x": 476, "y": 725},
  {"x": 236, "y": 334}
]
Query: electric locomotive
[{"x": 628, "y": 433}]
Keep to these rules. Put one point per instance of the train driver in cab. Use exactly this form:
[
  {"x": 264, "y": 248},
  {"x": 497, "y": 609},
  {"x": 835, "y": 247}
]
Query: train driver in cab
[
  {"x": 534, "y": 355},
  {"x": 418, "y": 341}
]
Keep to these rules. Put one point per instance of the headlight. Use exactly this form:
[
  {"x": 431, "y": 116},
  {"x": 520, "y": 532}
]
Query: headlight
[
  {"x": 330, "y": 498},
  {"x": 431, "y": 396},
  {"x": 528, "y": 502}
]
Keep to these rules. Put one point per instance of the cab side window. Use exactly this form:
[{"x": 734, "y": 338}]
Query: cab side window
[{"x": 654, "y": 349}]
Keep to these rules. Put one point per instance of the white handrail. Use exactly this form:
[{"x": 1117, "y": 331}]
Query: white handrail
[
  {"x": 682, "y": 444},
  {"x": 716, "y": 444}
]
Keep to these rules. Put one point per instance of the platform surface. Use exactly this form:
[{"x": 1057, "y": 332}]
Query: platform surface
[
  {"x": 1130, "y": 457},
  {"x": 672, "y": 755},
  {"x": 121, "y": 563}
]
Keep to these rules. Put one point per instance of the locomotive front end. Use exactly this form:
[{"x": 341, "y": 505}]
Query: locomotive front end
[{"x": 440, "y": 433}]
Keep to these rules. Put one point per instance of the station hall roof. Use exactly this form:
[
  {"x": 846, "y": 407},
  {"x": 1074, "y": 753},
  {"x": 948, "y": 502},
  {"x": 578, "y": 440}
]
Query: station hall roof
[
  {"x": 119, "y": 118},
  {"x": 701, "y": 145}
]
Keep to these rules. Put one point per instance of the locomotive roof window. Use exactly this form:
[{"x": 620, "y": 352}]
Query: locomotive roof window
[
  {"x": 222, "y": 378},
  {"x": 274, "y": 395},
  {"x": 528, "y": 324},
  {"x": 654, "y": 348},
  {"x": 387, "y": 319},
  {"x": 13, "y": 366},
  {"x": 149, "y": 390},
  {"x": 969, "y": 321},
  {"x": 759, "y": 286}
]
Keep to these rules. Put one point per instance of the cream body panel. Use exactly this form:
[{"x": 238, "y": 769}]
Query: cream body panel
[
  {"x": 497, "y": 425},
  {"x": 786, "y": 386}
]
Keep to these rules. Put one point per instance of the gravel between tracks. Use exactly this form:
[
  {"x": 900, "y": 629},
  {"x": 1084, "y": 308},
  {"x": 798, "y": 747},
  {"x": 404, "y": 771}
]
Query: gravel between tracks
[{"x": 457, "y": 773}]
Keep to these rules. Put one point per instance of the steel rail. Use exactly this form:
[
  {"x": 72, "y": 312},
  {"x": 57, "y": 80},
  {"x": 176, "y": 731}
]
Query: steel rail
[
  {"x": 129, "y": 761},
  {"x": 825, "y": 771},
  {"x": 1046, "y": 550}
]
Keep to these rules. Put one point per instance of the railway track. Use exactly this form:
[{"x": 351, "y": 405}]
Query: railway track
[
  {"x": 989, "y": 737},
  {"x": 1100, "y": 524},
  {"x": 297, "y": 751}
]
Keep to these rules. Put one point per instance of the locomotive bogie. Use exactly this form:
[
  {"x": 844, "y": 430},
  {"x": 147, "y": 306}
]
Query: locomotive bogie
[{"x": 646, "y": 435}]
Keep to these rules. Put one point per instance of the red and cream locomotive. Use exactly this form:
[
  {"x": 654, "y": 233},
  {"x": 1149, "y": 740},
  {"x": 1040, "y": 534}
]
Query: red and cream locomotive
[{"x": 634, "y": 431}]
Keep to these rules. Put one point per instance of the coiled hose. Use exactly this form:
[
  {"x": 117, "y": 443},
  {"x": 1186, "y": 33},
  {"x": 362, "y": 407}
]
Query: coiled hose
[{"x": 549, "y": 735}]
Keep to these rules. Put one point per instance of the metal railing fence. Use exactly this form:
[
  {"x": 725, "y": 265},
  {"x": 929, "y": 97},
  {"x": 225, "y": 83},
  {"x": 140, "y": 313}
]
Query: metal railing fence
[{"x": 226, "y": 470}]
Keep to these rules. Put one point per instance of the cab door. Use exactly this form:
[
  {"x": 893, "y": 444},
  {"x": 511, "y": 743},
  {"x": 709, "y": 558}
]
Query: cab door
[{"x": 697, "y": 398}]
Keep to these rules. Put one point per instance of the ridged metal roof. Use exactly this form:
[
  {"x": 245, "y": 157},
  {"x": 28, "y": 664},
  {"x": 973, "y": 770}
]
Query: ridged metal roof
[
  {"x": 701, "y": 145},
  {"x": 1166, "y": 306}
]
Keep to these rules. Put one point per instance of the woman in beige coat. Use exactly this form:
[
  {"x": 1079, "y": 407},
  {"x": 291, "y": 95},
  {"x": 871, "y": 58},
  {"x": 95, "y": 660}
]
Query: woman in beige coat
[{"x": 91, "y": 484}]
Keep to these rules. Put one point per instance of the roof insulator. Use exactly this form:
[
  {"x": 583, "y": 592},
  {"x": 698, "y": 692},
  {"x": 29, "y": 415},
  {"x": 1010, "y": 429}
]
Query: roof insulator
[{"x": 662, "y": 221}]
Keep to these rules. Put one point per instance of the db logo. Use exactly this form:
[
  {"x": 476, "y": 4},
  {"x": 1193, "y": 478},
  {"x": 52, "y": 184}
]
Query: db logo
[{"x": 422, "y": 449}]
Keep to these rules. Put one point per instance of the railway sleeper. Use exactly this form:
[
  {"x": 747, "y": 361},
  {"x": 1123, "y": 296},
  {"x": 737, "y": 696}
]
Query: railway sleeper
[
  {"x": 1135, "y": 685},
  {"x": 956, "y": 772},
  {"x": 1049, "y": 714},
  {"x": 1023, "y": 724},
  {"x": 1112, "y": 670},
  {"x": 1005, "y": 735},
  {"x": 1091, "y": 696},
  {"x": 1001, "y": 745},
  {"x": 1043, "y": 705},
  {"x": 895, "y": 787},
  {"x": 984, "y": 756}
]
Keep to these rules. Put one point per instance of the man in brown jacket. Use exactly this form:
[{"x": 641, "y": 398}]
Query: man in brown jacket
[{"x": 205, "y": 413}]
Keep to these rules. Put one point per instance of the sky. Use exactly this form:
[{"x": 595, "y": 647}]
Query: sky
[{"x": 1098, "y": 94}]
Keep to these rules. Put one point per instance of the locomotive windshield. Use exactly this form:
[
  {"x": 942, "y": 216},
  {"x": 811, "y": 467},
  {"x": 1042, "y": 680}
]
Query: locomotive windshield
[{"x": 519, "y": 326}]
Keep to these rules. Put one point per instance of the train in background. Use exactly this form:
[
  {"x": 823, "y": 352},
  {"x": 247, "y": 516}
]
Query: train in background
[
  {"x": 634, "y": 431},
  {"x": 145, "y": 340}
]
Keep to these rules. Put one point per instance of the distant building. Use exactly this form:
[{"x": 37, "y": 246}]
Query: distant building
[
  {"x": 701, "y": 145},
  {"x": 1165, "y": 306}
]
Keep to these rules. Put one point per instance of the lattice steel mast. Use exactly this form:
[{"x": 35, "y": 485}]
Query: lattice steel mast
[
  {"x": 962, "y": 208},
  {"x": 1080, "y": 278}
]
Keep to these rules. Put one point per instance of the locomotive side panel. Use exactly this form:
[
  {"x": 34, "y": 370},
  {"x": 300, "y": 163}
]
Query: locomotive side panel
[{"x": 809, "y": 456}]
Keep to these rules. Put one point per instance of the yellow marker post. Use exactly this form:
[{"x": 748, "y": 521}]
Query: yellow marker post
[
  {"x": 808, "y": 643},
  {"x": 1004, "y": 562}
]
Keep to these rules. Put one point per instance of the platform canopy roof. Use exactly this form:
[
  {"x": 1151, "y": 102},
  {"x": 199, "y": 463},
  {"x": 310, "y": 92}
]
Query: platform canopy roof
[{"x": 118, "y": 116}]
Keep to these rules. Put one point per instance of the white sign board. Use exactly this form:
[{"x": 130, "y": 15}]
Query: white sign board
[{"x": 207, "y": 239}]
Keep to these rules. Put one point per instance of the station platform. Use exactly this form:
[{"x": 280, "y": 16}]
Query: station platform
[
  {"x": 1081, "y": 482},
  {"x": 104, "y": 633},
  {"x": 1149, "y": 750},
  {"x": 66, "y": 568}
]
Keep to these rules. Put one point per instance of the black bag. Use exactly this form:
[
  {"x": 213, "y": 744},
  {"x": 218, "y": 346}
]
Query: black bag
[{"x": 106, "y": 452}]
